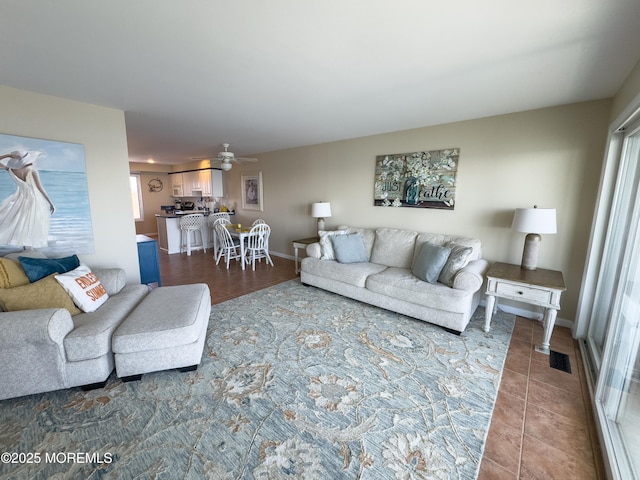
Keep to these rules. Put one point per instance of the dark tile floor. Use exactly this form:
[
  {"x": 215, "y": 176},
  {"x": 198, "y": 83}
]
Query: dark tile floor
[{"x": 542, "y": 426}]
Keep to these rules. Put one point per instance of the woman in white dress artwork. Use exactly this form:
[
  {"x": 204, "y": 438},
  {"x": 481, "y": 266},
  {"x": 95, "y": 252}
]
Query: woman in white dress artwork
[{"x": 26, "y": 213}]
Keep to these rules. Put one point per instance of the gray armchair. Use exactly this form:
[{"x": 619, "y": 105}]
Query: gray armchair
[{"x": 48, "y": 349}]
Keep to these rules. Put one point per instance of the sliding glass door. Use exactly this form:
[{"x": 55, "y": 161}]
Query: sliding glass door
[{"x": 613, "y": 312}]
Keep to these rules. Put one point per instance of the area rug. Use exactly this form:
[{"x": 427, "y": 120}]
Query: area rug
[{"x": 295, "y": 383}]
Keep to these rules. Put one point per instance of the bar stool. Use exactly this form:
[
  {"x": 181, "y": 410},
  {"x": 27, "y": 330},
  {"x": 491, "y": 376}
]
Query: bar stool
[{"x": 192, "y": 225}]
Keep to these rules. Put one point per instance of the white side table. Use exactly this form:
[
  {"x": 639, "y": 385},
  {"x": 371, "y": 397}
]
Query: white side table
[
  {"x": 302, "y": 243},
  {"x": 537, "y": 287}
]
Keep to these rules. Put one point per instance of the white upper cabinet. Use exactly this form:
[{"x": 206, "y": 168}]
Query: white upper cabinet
[
  {"x": 217, "y": 186},
  {"x": 177, "y": 185},
  {"x": 198, "y": 183}
]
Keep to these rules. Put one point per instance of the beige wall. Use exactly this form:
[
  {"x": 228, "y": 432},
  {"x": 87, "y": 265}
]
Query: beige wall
[
  {"x": 102, "y": 132},
  {"x": 550, "y": 157},
  {"x": 152, "y": 201},
  {"x": 627, "y": 95}
]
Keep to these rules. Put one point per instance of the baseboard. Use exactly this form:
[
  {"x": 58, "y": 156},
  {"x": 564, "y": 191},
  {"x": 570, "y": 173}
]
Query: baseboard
[{"x": 282, "y": 255}]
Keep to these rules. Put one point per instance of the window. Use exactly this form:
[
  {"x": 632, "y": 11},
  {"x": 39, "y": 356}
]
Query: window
[{"x": 136, "y": 197}]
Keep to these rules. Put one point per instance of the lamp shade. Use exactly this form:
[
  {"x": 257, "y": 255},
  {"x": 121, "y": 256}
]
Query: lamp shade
[
  {"x": 535, "y": 220},
  {"x": 321, "y": 210}
]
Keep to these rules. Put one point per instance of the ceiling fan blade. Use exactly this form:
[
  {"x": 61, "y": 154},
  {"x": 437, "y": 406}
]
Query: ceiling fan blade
[{"x": 245, "y": 160}]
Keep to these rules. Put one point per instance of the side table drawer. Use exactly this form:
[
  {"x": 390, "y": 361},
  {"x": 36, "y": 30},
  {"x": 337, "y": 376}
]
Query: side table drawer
[{"x": 526, "y": 293}]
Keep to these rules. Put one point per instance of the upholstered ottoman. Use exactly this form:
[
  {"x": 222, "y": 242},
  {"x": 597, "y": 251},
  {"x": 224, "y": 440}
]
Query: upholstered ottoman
[{"x": 166, "y": 330}]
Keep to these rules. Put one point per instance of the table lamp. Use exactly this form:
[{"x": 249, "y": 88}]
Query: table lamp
[
  {"x": 533, "y": 221},
  {"x": 321, "y": 210}
]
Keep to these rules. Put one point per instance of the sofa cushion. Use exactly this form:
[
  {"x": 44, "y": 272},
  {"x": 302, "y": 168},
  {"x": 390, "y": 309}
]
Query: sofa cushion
[
  {"x": 38, "y": 268},
  {"x": 430, "y": 261},
  {"x": 394, "y": 247},
  {"x": 352, "y": 273},
  {"x": 401, "y": 284},
  {"x": 458, "y": 258},
  {"x": 368, "y": 236},
  {"x": 45, "y": 293},
  {"x": 91, "y": 337},
  {"x": 84, "y": 287},
  {"x": 439, "y": 239},
  {"x": 349, "y": 248},
  {"x": 11, "y": 274},
  {"x": 326, "y": 246}
]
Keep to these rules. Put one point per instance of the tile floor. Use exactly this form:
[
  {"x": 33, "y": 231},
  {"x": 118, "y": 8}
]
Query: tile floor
[{"x": 542, "y": 425}]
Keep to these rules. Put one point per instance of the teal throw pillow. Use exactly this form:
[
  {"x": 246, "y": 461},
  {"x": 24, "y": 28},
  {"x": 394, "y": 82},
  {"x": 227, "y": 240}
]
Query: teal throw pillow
[
  {"x": 429, "y": 262},
  {"x": 38, "y": 268},
  {"x": 349, "y": 248}
]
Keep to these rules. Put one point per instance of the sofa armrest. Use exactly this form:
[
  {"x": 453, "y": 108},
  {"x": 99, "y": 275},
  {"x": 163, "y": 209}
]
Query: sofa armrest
[
  {"x": 32, "y": 351},
  {"x": 113, "y": 279},
  {"x": 471, "y": 277},
  {"x": 314, "y": 250},
  {"x": 42, "y": 327}
]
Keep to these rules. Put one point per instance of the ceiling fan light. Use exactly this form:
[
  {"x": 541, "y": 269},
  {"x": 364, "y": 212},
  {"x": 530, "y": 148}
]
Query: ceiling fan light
[{"x": 226, "y": 166}]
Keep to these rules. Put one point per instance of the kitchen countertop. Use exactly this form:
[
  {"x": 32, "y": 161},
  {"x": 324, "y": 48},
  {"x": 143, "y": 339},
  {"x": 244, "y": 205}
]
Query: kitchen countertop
[{"x": 180, "y": 213}]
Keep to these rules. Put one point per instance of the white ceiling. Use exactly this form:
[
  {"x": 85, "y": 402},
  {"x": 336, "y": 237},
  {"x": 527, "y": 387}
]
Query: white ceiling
[{"x": 269, "y": 75}]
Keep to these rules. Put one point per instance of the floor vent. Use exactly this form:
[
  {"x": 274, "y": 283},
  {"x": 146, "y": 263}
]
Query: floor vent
[{"x": 560, "y": 361}]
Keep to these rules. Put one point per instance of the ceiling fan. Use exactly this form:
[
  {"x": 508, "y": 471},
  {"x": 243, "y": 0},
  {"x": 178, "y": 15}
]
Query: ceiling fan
[{"x": 227, "y": 158}]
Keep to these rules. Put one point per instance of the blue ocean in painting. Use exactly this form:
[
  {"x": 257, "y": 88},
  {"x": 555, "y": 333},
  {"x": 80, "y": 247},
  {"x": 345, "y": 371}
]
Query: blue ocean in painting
[{"x": 71, "y": 230}]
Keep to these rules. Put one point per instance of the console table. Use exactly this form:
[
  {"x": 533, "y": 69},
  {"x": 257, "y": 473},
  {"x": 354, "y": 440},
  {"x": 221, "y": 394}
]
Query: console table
[
  {"x": 302, "y": 243},
  {"x": 537, "y": 287}
]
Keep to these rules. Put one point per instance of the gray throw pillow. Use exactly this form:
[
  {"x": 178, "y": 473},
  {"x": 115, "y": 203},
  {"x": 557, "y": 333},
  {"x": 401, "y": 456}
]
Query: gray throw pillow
[
  {"x": 349, "y": 248},
  {"x": 458, "y": 259},
  {"x": 430, "y": 261}
]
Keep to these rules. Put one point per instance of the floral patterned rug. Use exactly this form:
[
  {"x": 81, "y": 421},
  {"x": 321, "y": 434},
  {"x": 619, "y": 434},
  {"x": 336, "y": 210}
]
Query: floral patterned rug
[{"x": 295, "y": 383}]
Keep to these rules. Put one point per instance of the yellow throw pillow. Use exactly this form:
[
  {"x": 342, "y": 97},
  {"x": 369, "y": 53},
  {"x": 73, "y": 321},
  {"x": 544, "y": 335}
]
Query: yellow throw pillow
[
  {"x": 45, "y": 293},
  {"x": 11, "y": 274}
]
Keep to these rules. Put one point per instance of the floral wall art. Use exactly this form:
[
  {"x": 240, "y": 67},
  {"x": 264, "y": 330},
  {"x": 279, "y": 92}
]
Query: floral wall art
[{"x": 420, "y": 179}]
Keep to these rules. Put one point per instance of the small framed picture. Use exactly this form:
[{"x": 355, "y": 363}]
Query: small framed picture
[{"x": 252, "y": 191}]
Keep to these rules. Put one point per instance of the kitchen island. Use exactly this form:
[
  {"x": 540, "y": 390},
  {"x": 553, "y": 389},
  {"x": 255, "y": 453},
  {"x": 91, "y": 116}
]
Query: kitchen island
[{"x": 169, "y": 235}]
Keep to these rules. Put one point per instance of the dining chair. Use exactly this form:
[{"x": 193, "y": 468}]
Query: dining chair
[
  {"x": 226, "y": 246},
  {"x": 212, "y": 220},
  {"x": 191, "y": 226},
  {"x": 257, "y": 221},
  {"x": 258, "y": 244}
]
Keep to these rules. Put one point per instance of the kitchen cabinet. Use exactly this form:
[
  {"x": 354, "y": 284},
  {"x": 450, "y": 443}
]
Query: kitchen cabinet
[
  {"x": 176, "y": 184},
  {"x": 192, "y": 186},
  {"x": 198, "y": 183},
  {"x": 217, "y": 187},
  {"x": 204, "y": 177}
]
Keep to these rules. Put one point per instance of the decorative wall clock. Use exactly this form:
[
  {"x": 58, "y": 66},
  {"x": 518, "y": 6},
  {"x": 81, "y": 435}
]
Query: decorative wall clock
[{"x": 155, "y": 185}]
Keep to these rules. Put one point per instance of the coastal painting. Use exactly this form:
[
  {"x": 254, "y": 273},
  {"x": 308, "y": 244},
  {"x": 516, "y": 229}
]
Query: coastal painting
[
  {"x": 44, "y": 197},
  {"x": 425, "y": 179}
]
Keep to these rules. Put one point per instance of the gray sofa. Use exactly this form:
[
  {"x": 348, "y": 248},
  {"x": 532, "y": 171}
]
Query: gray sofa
[
  {"x": 48, "y": 349},
  {"x": 386, "y": 280}
]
